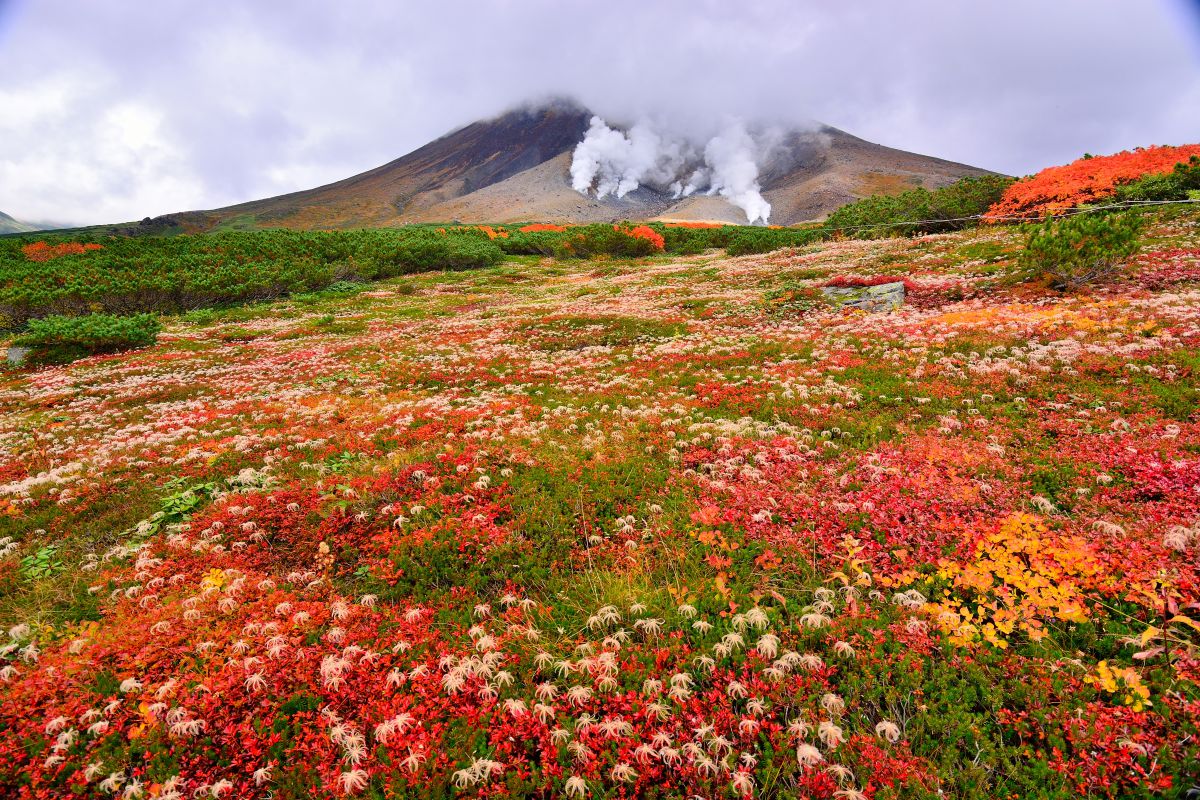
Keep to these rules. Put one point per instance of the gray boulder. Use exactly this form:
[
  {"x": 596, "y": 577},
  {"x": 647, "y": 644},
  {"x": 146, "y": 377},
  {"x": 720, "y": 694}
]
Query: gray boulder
[{"x": 884, "y": 297}]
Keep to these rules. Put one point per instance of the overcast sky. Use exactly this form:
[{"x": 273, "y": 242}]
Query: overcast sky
[{"x": 117, "y": 110}]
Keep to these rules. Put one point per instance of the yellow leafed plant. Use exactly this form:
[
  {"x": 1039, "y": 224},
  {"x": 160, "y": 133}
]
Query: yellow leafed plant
[
  {"x": 1123, "y": 682},
  {"x": 1021, "y": 577}
]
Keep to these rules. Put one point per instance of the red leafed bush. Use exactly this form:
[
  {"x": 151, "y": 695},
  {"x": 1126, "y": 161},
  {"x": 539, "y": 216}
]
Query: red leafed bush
[
  {"x": 1057, "y": 189},
  {"x": 543, "y": 226},
  {"x": 41, "y": 251}
]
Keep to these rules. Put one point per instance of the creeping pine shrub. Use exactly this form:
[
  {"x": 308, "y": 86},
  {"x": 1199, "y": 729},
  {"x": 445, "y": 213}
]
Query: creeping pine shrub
[
  {"x": 1076, "y": 251},
  {"x": 585, "y": 240},
  {"x": 62, "y": 339},
  {"x": 919, "y": 210},
  {"x": 434, "y": 251},
  {"x": 747, "y": 240},
  {"x": 532, "y": 240},
  {"x": 690, "y": 239}
]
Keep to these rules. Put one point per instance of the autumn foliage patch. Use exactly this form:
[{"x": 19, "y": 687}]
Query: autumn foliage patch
[
  {"x": 643, "y": 232},
  {"x": 43, "y": 251},
  {"x": 1087, "y": 180}
]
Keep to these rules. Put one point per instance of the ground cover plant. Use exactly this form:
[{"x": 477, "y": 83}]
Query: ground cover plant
[{"x": 596, "y": 528}]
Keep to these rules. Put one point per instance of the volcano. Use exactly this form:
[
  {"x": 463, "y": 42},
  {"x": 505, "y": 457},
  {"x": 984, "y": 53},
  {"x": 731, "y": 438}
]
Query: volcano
[{"x": 516, "y": 168}]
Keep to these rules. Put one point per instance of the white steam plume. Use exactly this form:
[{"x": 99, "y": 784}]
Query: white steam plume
[
  {"x": 610, "y": 161},
  {"x": 730, "y": 156},
  {"x": 613, "y": 162}
]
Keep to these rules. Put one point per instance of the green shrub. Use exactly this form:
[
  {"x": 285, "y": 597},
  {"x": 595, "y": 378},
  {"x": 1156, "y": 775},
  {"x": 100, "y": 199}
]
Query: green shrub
[
  {"x": 1079, "y": 250},
  {"x": 919, "y": 210},
  {"x": 967, "y": 197},
  {"x": 182, "y": 273},
  {"x": 690, "y": 241},
  {"x": 600, "y": 240},
  {"x": 62, "y": 339},
  {"x": 532, "y": 243},
  {"x": 435, "y": 251},
  {"x": 746, "y": 240},
  {"x": 343, "y": 287}
]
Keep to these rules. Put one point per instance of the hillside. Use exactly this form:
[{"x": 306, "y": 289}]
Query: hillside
[
  {"x": 10, "y": 225},
  {"x": 656, "y": 527},
  {"x": 516, "y": 168}
]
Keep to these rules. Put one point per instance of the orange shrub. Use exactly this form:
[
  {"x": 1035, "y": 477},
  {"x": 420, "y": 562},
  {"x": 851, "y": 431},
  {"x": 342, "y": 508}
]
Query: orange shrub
[
  {"x": 1057, "y": 189},
  {"x": 644, "y": 232},
  {"x": 694, "y": 225},
  {"x": 542, "y": 226},
  {"x": 41, "y": 251}
]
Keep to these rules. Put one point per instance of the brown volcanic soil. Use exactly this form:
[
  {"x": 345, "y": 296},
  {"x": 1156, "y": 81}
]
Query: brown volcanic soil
[
  {"x": 515, "y": 168},
  {"x": 847, "y": 168},
  {"x": 541, "y": 194},
  {"x": 457, "y": 164}
]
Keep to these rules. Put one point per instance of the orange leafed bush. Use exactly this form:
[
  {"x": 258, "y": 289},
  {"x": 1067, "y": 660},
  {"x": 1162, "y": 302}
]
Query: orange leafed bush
[
  {"x": 41, "y": 251},
  {"x": 493, "y": 233},
  {"x": 644, "y": 232},
  {"x": 542, "y": 226},
  {"x": 694, "y": 225},
  {"x": 1057, "y": 189}
]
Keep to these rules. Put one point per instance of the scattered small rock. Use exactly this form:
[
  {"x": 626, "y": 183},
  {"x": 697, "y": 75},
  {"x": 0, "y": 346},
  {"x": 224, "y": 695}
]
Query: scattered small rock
[{"x": 17, "y": 355}]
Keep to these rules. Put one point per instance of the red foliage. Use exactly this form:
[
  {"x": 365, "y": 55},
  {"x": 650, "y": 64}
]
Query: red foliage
[
  {"x": 1056, "y": 189},
  {"x": 542, "y": 226},
  {"x": 1162, "y": 268},
  {"x": 41, "y": 251},
  {"x": 853, "y": 281}
]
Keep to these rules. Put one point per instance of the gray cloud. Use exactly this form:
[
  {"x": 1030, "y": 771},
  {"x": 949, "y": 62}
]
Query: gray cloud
[{"x": 121, "y": 109}]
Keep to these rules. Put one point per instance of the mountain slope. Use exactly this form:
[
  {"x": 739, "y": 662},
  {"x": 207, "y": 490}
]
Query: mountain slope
[
  {"x": 457, "y": 164},
  {"x": 10, "y": 225},
  {"x": 516, "y": 167},
  {"x": 844, "y": 168}
]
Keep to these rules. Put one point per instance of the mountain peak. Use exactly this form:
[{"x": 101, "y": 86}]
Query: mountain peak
[{"x": 516, "y": 167}]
